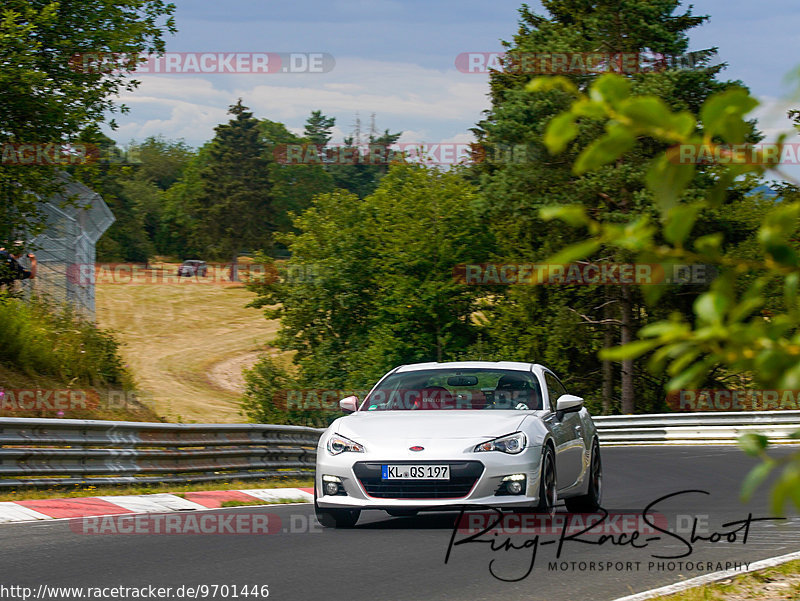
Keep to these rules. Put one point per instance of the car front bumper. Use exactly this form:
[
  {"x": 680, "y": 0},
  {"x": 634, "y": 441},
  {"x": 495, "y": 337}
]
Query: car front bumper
[{"x": 494, "y": 466}]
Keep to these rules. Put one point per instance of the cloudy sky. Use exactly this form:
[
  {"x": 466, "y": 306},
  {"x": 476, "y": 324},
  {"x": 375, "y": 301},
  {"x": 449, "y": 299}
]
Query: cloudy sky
[{"x": 396, "y": 58}]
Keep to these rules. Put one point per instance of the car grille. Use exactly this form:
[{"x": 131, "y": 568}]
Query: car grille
[{"x": 463, "y": 475}]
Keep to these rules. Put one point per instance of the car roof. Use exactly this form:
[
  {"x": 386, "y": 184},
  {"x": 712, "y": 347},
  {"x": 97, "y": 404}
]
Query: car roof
[{"x": 511, "y": 365}]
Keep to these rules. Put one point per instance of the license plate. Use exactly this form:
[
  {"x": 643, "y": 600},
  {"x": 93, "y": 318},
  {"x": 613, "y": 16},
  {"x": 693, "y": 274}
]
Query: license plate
[{"x": 415, "y": 472}]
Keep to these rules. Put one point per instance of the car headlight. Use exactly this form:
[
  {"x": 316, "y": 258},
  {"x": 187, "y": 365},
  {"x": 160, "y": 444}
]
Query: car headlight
[
  {"x": 339, "y": 444},
  {"x": 510, "y": 443}
]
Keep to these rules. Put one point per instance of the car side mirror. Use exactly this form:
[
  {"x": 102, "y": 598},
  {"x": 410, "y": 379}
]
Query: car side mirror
[
  {"x": 349, "y": 404},
  {"x": 567, "y": 403}
]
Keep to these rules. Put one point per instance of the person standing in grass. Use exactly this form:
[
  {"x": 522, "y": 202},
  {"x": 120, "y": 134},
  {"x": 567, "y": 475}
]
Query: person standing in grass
[{"x": 11, "y": 270}]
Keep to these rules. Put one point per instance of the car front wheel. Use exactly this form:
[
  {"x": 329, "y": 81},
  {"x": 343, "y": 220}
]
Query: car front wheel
[
  {"x": 547, "y": 484},
  {"x": 590, "y": 502},
  {"x": 336, "y": 518}
]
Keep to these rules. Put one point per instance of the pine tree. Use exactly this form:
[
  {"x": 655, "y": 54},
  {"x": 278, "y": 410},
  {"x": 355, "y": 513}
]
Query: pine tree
[
  {"x": 237, "y": 204},
  {"x": 318, "y": 128},
  {"x": 519, "y": 176}
]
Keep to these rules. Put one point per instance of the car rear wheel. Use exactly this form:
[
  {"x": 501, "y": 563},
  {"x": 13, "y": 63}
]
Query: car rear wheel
[
  {"x": 591, "y": 500},
  {"x": 335, "y": 518}
]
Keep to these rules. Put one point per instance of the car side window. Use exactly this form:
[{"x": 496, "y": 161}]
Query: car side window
[{"x": 554, "y": 389}]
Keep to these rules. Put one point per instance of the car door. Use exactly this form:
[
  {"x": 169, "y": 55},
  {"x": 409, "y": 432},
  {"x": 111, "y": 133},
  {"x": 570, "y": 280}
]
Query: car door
[{"x": 568, "y": 436}]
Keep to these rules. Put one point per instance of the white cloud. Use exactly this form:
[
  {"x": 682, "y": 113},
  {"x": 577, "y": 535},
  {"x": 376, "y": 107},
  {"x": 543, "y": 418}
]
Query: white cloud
[
  {"x": 402, "y": 95},
  {"x": 772, "y": 119}
]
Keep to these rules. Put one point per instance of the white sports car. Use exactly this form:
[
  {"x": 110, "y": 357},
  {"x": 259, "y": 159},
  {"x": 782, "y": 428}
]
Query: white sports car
[{"x": 438, "y": 436}]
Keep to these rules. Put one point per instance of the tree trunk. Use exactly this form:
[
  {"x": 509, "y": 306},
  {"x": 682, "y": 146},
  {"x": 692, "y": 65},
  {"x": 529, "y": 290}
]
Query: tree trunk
[
  {"x": 608, "y": 368},
  {"x": 235, "y": 267},
  {"x": 626, "y": 336}
]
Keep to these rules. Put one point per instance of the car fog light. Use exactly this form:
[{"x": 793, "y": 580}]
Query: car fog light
[
  {"x": 331, "y": 488},
  {"x": 514, "y": 487}
]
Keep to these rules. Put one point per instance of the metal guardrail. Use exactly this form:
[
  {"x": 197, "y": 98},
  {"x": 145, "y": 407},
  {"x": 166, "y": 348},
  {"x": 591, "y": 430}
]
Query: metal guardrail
[
  {"x": 696, "y": 428},
  {"x": 54, "y": 452},
  {"x": 57, "y": 452}
]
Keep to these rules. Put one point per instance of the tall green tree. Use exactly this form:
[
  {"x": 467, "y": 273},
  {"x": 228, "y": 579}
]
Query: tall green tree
[
  {"x": 363, "y": 176},
  {"x": 318, "y": 128},
  {"x": 127, "y": 239},
  {"x": 519, "y": 176},
  {"x": 748, "y": 322},
  {"x": 50, "y": 89},
  {"x": 237, "y": 203},
  {"x": 371, "y": 285},
  {"x": 294, "y": 186}
]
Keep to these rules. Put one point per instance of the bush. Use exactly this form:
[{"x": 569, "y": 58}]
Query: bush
[{"x": 40, "y": 338}]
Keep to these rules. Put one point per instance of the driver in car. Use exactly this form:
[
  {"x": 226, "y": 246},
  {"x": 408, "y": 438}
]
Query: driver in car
[{"x": 514, "y": 392}]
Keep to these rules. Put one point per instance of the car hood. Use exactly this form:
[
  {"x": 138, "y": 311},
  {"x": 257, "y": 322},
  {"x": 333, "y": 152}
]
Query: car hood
[{"x": 445, "y": 424}]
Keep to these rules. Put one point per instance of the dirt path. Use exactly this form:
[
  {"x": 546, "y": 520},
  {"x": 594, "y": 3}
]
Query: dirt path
[
  {"x": 227, "y": 374},
  {"x": 185, "y": 343}
]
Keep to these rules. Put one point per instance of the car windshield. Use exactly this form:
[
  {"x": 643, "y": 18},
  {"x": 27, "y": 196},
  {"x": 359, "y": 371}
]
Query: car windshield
[{"x": 441, "y": 389}]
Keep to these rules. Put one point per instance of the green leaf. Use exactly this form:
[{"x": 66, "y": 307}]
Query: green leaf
[
  {"x": 628, "y": 351},
  {"x": 588, "y": 108},
  {"x": 711, "y": 307},
  {"x": 746, "y": 307},
  {"x": 780, "y": 493},
  {"x": 683, "y": 123},
  {"x": 646, "y": 112},
  {"x": 790, "y": 285},
  {"x": 710, "y": 244},
  {"x": 693, "y": 375},
  {"x": 753, "y": 443},
  {"x": 773, "y": 240},
  {"x": 574, "y": 215},
  {"x": 575, "y": 252},
  {"x": 617, "y": 141},
  {"x": 652, "y": 294},
  {"x": 663, "y": 329},
  {"x": 667, "y": 180},
  {"x": 610, "y": 88},
  {"x": 721, "y": 188},
  {"x": 755, "y": 478},
  {"x": 546, "y": 84},
  {"x": 679, "y": 223},
  {"x": 722, "y": 114},
  {"x": 683, "y": 361},
  {"x": 560, "y": 131}
]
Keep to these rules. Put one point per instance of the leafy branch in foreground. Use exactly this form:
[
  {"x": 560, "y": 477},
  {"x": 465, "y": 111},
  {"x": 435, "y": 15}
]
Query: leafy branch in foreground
[{"x": 732, "y": 329}]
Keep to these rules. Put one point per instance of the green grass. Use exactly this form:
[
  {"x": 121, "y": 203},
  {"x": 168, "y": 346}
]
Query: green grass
[
  {"x": 781, "y": 582},
  {"x": 40, "y": 339}
]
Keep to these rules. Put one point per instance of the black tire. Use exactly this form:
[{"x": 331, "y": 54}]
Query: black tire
[
  {"x": 402, "y": 513},
  {"x": 335, "y": 518},
  {"x": 590, "y": 502},
  {"x": 547, "y": 484}
]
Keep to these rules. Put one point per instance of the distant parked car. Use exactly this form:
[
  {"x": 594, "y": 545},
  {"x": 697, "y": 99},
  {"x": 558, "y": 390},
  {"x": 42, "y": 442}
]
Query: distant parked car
[{"x": 193, "y": 267}]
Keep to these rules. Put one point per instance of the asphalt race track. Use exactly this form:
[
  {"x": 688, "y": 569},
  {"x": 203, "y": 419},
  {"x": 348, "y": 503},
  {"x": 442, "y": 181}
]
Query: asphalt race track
[{"x": 401, "y": 559}]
